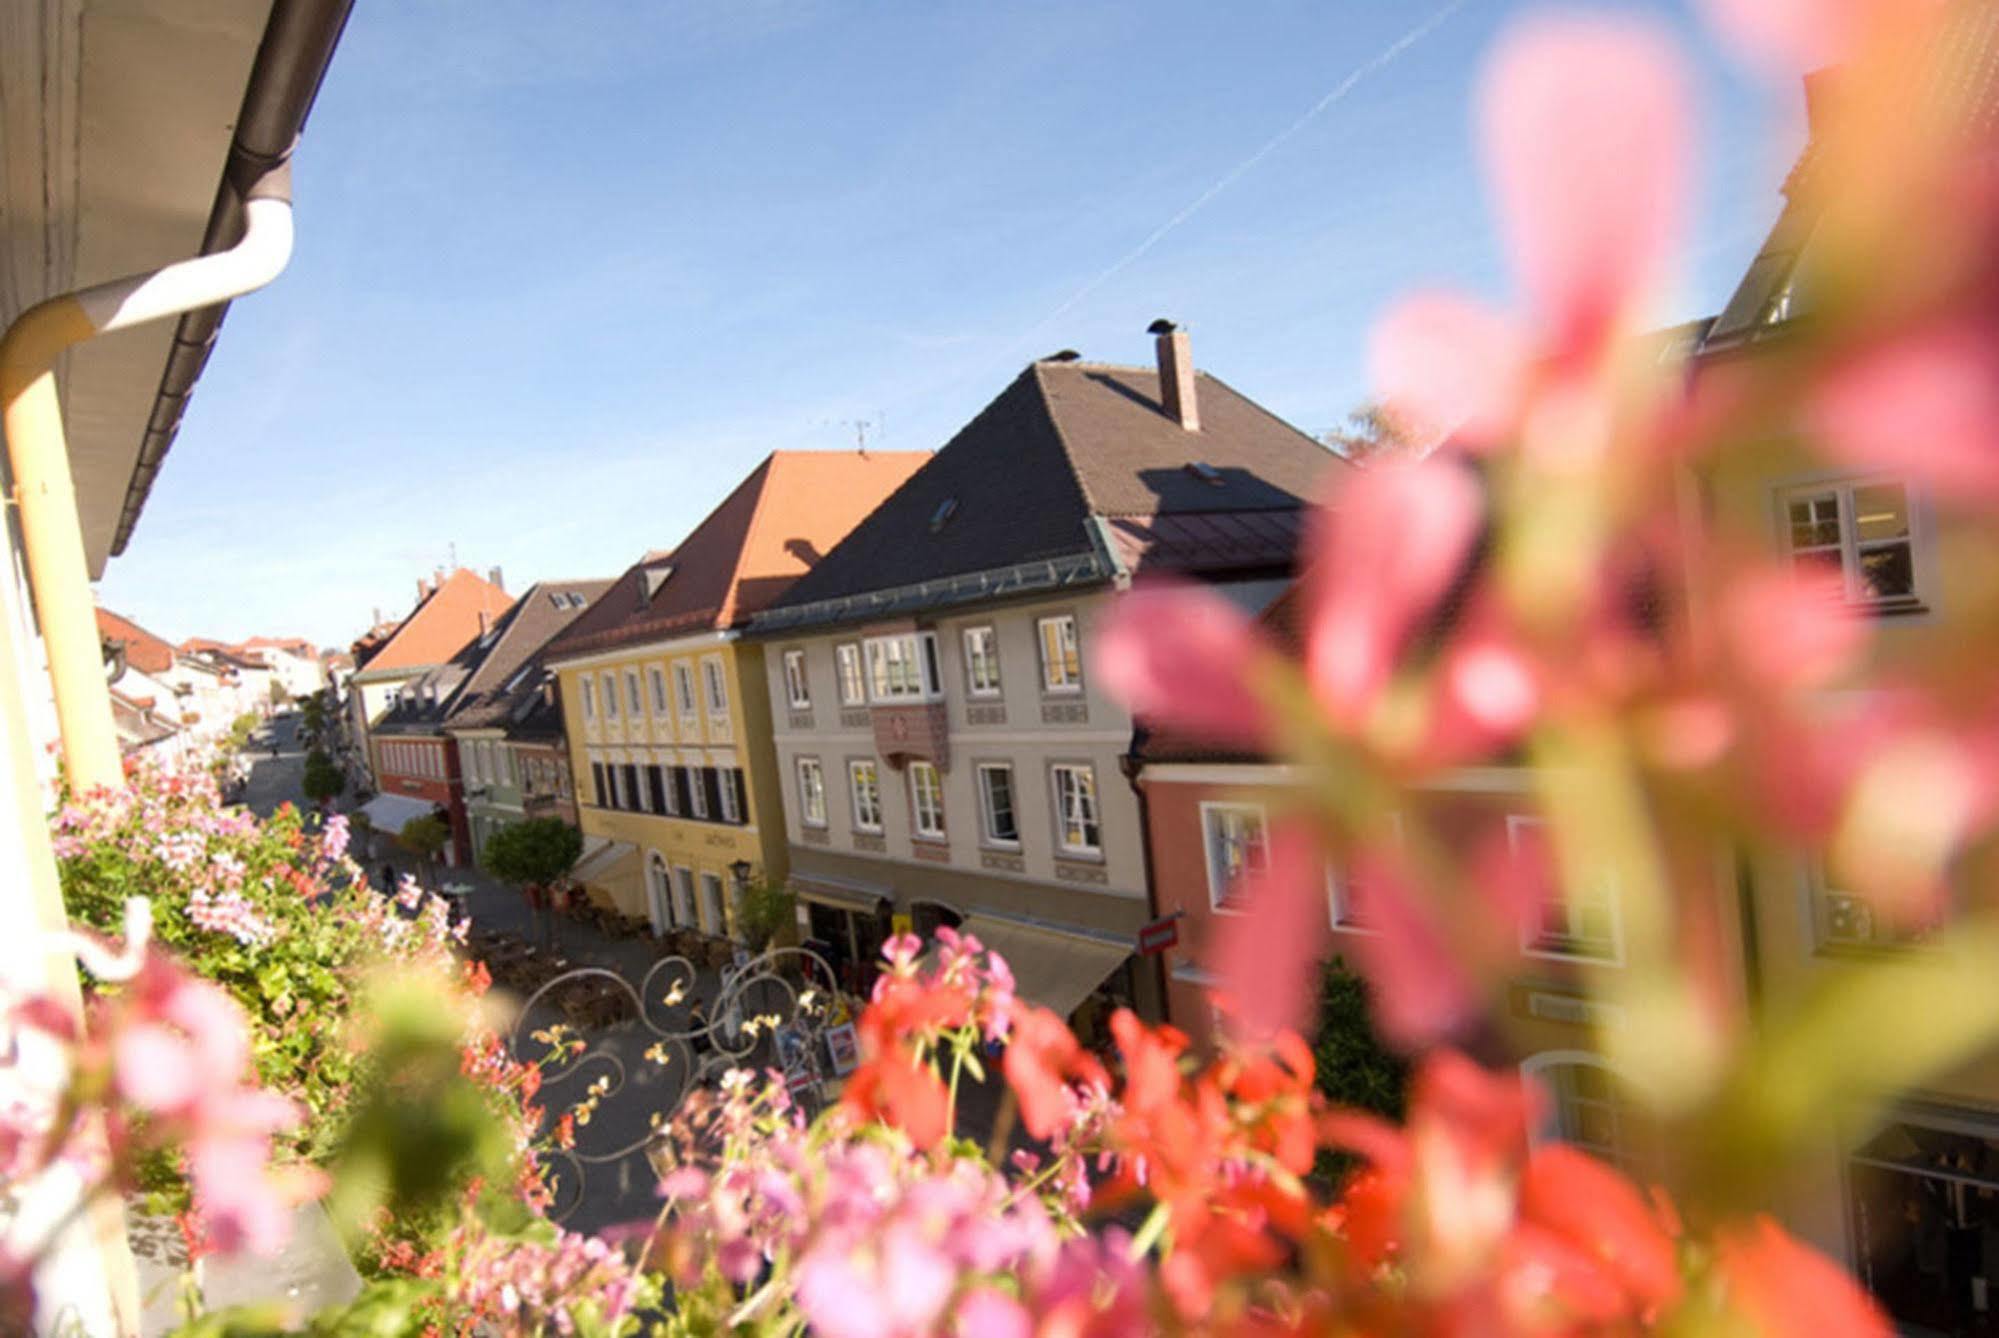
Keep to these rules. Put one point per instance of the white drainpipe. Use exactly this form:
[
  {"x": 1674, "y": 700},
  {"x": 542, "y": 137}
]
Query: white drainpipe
[{"x": 43, "y": 488}]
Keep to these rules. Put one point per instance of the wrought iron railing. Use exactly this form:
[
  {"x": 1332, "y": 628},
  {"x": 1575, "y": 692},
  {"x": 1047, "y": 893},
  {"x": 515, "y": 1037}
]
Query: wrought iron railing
[{"x": 770, "y": 1011}]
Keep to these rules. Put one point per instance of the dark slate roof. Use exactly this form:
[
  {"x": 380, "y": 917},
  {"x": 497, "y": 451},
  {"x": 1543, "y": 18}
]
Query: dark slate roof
[
  {"x": 481, "y": 669},
  {"x": 1072, "y": 463},
  {"x": 512, "y": 668},
  {"x": 1956, "y": 83}
]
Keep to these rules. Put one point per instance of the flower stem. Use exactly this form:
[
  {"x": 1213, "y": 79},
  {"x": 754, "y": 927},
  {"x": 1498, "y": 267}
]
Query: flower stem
[{"x": 1149, "y": 1234}]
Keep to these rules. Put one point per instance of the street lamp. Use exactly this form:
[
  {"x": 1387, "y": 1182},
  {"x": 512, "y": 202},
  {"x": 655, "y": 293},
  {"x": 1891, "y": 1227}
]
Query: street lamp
[{"x": 740, "y": 871}]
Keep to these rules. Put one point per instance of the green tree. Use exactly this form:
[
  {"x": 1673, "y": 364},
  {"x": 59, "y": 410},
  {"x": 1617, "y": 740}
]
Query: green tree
[
  {"x": 240, "y": 730},
  {"x": 763, "y": 912},
  {"x": 312, "y": 712},
  {"x": 425, "y": 838},
  {"x": 1354, "y": 1068},
  {"x": 1370, "y": 433},
  {"x": 277, "y": 694},
  {"x": 323, "y": 779},
  {"x": 534, "y": 853}
]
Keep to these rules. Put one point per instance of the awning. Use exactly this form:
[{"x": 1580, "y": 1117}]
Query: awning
[
  {"x": 602, "y": 860},
  {"x": 838, "y": 892},
  {"x": 1051, "y": 968},
  {"x": 392, "y": 812}
]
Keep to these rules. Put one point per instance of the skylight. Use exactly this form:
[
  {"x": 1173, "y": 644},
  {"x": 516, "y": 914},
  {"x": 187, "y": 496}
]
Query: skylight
[
  {"x": 945, "y": 510},
  {"x": 1205, "y": 472}
]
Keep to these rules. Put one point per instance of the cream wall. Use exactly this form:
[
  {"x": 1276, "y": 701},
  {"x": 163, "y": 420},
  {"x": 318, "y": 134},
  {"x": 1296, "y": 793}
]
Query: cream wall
[
  {"x": 1956, "y": 570},
  {"x": 1038, "y": 731}
]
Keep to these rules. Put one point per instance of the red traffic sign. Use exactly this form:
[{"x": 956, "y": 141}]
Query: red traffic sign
[{"x": 1158, "y": 936}]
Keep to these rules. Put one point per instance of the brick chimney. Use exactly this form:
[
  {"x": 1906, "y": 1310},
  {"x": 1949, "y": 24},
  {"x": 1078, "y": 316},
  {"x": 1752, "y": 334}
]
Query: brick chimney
[
  {"x": 1176, "y": 374},
  {"x": 498, "y": 580},
  {"x": 422, "y": 588}
]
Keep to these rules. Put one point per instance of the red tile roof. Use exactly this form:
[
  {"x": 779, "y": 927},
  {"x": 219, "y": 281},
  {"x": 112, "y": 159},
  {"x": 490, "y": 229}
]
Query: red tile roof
[
  {"x": 770, "y": 531},
  {"x": 143, "y": 651},
  {"x": 443, "y": 620}
]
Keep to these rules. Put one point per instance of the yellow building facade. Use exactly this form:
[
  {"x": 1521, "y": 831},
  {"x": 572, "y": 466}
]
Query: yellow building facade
[
  {"x": 665, "y": 708},
  {"x": 670, "y": 746}
]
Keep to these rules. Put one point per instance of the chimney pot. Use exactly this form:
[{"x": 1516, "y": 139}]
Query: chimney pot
[
  {"x": 1176, "y": 374},
  {"x": 497, "y": 579},
  {"x": 422, "y": 588}
]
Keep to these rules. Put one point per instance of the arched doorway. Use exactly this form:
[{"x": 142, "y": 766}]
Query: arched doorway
[
  {"x": 659, "y": 894},
  {"x": 714, "y": 910},
  {"x": 927, "y": 916},
  {"x": 684, "y": 913},
  {"x": 1592, "y": 1106}
]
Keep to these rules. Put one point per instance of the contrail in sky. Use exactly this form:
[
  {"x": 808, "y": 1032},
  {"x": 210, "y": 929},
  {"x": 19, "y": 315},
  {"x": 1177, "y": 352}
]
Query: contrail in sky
[{"x": 1378, "y": 63}]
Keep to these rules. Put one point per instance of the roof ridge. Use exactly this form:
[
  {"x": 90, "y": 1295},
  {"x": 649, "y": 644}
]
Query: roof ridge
[
  {"x": 767, "y": 467},
  {"x": 1090, "y": 506}
]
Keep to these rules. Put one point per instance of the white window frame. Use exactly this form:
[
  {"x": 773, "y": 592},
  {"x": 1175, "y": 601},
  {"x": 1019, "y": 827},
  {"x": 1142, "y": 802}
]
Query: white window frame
[
  {"x": 589, "y": 695},
  {"x": 1090, "y": 805},
  {"x": 851, "y": 668},
  {"x": 811, "y": 792},
  {"x": 1344, "y": 904},
  {"x": 1850, "y": 546},
  {"x": 634, "y": 698},
  {"x": 725, "y": 794},
  {"x": 988, "y": 827},
  {"x": 1820, "y": 910},
  {"x": 1223, "y": 810},
  {"x": 611, "y": 703},
  {"x": 657, "y": 677},
  {"x": 1055, "y": 674},
  {"x": 614, "y": 783},
  {"x": 697, "y": 794},
  {"x": 862, "y": 822},
  {"x": 982, "y": 684},
  {"x": 716, "y": 895},
  {"x": 669, "y": 792},
  {"x": 926, "y": 801},
  {"x": 683, "y": 689},
  {"x": 1534, "y": 942},
  {"x": 903, "y": 667},
  {"x": 797, "y": 689},
  {"x": 715, "y": 686}
]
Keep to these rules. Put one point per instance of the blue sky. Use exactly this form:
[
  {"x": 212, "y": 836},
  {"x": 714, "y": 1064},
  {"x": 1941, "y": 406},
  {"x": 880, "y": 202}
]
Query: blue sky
[{"x": 566, "y": 272}]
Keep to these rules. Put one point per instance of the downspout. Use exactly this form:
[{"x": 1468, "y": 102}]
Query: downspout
[{"x": 45, "y": 493}]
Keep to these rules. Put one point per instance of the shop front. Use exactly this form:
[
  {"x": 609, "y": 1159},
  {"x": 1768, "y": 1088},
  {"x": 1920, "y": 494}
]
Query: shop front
[
  {"x": 1081, "y": 978},
  {"x": 847, "y": 923},
  {"x": 1923, "y": 1194}
]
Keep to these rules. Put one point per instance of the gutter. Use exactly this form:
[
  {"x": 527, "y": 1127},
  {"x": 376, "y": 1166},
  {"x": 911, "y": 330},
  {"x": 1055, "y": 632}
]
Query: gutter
[
  {"x": 1025, "y": 578},
  {"x": 291, "y": 62}
]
